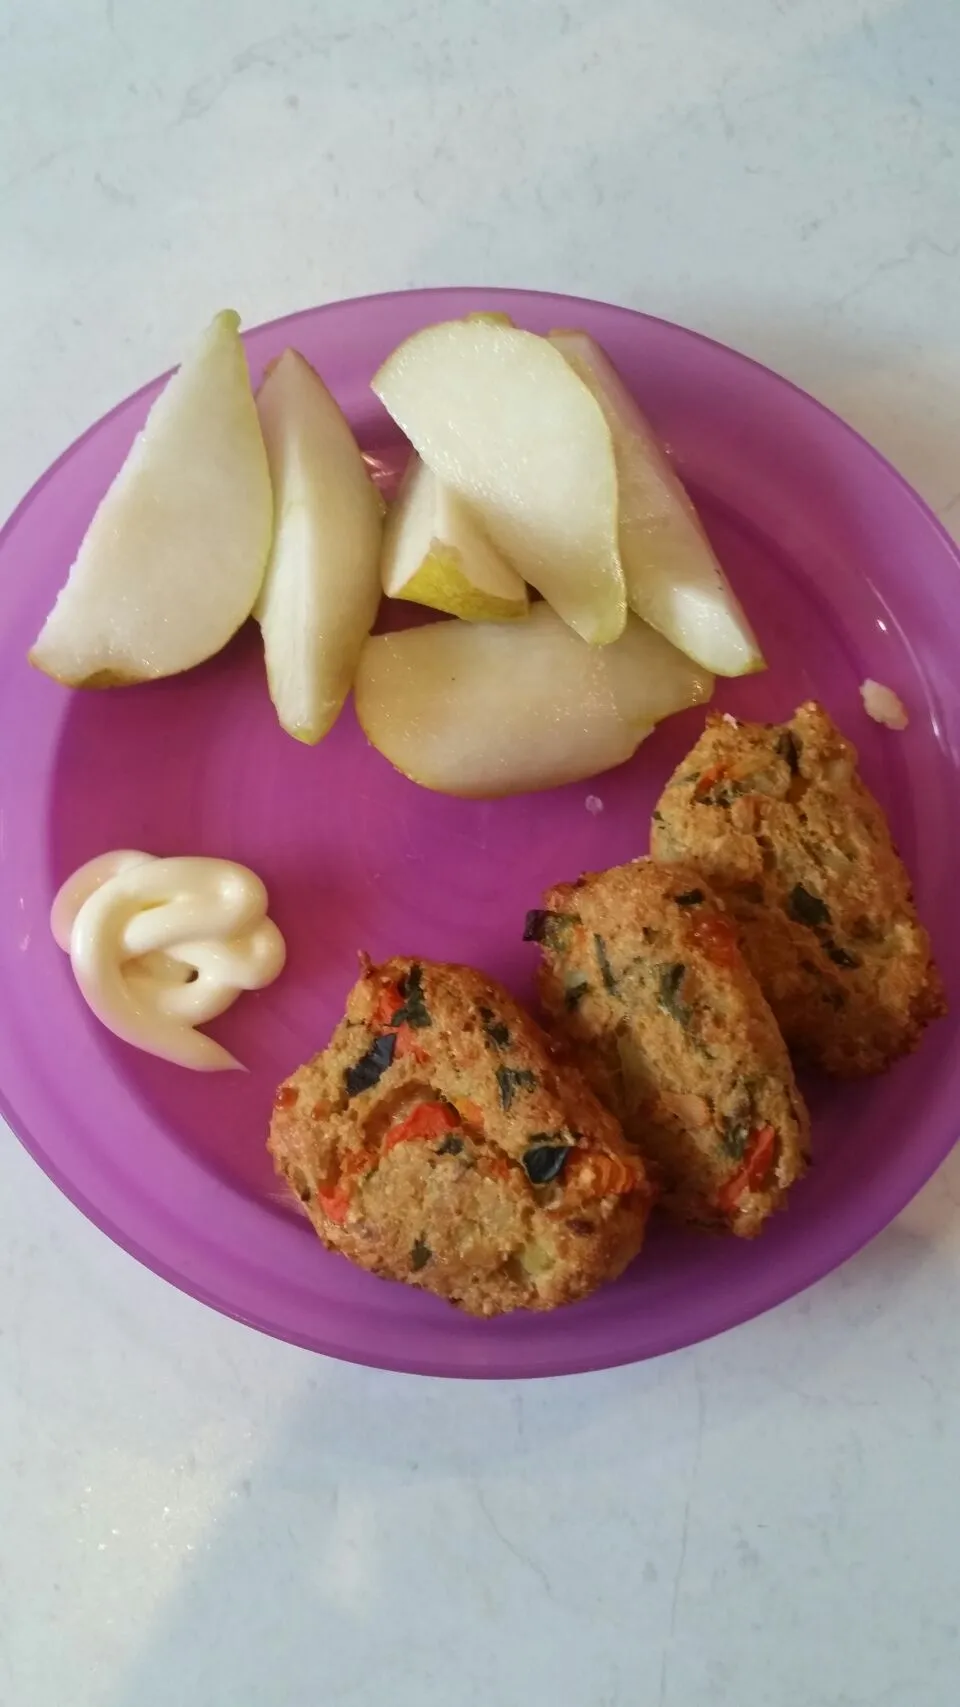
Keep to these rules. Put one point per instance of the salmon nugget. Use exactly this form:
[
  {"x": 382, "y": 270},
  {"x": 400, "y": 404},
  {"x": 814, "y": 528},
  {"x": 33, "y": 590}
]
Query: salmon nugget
[
  {"x": 644, "y": 982},
  {"x": 776, "y": 816},
  {"x": 437, "y": 1141}
]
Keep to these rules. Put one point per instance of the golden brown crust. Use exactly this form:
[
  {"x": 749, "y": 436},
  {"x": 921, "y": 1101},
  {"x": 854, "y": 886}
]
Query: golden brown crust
[
  {"x": 437, "y": 1141},
  {"x": 778, "y": 819},
  {"x": 644, "y": 982}
]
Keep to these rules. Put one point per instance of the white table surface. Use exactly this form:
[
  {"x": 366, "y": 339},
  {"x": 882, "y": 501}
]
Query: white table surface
[{"x": 191, "y": 1515}]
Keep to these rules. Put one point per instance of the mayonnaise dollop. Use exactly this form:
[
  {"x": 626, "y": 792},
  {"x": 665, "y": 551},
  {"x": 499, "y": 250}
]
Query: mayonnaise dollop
[{"x": 160, "y": 946}]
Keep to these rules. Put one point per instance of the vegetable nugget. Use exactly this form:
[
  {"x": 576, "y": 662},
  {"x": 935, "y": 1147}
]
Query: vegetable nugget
[
  {"x": 776, "y": 816},
  {"x": 644, "y": 981},
  {"x": 437, "y": 1141}
]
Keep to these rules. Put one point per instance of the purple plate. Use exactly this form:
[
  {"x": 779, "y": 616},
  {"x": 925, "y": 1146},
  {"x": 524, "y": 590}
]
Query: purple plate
[{"x": 846, "y": 575}]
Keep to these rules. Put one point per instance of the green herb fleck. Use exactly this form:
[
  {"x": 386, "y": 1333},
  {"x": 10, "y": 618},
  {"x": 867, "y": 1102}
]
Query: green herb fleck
[
  {"x": 807, "y": 909},
  {"x": 450, "y": 1147},
  {"x": 606, "y": 970},
  {"x": 420, "y": 1255},
  {"x": 498, "y": 1033},
  {"x": 724, "y": 791},
  {"x": 551, "y": 929},
  {"x": 671, "y": 979},
  {"x": 736, "y": 1136},
  {"x": 510, "y": 1080},
  {"x": 414, "y": 1010}
]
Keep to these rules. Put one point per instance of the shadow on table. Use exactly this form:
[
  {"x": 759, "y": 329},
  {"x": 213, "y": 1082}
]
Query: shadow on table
[{"x": 313, "y": 1570}]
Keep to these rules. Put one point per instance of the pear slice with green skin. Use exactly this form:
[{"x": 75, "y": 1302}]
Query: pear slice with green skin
[
  {"x": 673, "y": 578},
  {"x": 488, "y": 709},
  {"x": 173, "y": 560},
  {"x": 322, "y": 586},
  {"x": 501, "y": 418},
  {"x": 434, "y": 553}
]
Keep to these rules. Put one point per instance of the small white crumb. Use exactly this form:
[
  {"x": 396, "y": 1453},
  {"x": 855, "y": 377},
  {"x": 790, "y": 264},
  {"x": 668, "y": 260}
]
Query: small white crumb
[
  {"x": 593, "y": 804},
  {"x": 883, "y": 705},
  {"x": 731, "y": 720}
]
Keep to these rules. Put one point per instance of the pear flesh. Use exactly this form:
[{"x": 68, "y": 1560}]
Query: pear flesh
[
  {"x": 435, "y": 553},
  {"x": 500, "y": 417},
  {"x": 322, "y": 586},
  {"x": 489, "y": 709},
  {"x": 173, "y": 560},
  {"x": 673, "y": 578}
]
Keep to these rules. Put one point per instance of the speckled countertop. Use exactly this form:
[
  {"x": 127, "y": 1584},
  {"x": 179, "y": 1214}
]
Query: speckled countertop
[{"x": 191, "y": 1514}]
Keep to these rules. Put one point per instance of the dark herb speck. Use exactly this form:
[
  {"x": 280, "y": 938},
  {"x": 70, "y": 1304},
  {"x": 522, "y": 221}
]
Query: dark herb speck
[
  {"x": 788, "y": 748},
  {"x": 807, "y": 909},
  {"x": 450, "y": 1147},
  {"x": 414, "y": 1010},
  {"x": 671, "y": 981},
  {"x": 736, "y": 1136},
  {"x": 691, "y": 898},
  {"x": 544, "y": 1162},
  {"x": 535, "y": 925},
  {"x": 371, "y": 1067},
  {"x": 420, "y": 1255},
  {"x": 724, "y": 791},
  {"x": 551, "y": 929},
  {"x": 494, "y": 1029},
  {"x": 839, "y": 955},
  {"x": 606, "y": 970},
  {"x": 510, "y": 1080},
  {"x": 574, "y": 993}
]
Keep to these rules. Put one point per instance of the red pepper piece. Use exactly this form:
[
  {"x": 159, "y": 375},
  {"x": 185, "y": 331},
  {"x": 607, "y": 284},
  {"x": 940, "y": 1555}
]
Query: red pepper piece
[
  {"x": 389, "y": 1002},
  {"x": 707, "y": 780},
  {"x": 752, "y": 1175},
  {"x": 717, "y": 938},
  {"x": 334, "y": 1204},
  {"x": 427, "y": 1120},
  {"x": 598, "y": 1174}
]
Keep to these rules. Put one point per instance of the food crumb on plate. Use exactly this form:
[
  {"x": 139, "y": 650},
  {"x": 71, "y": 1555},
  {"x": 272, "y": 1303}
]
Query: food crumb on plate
[
  {"x": 883, "y": 705},
  {"x": 594, "y": 804}
]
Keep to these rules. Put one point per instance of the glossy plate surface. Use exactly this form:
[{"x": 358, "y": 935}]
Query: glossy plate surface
[{"x": 846, "y": 575}]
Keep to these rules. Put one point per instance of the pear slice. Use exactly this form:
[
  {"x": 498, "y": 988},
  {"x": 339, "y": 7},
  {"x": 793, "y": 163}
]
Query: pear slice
[
  {"x": 500, "y": 417},
  {"x": 436, "y": 554},
  {"x": 673, "y": 578},
  {"x": 487, "y": 709},
  {"x": 173, "y": 559},
  {"x": 322, "y": 586}
]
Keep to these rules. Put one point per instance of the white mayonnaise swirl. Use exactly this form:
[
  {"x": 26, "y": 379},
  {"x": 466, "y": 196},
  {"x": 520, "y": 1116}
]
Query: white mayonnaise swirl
[{"x": 160, "y": 946}]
